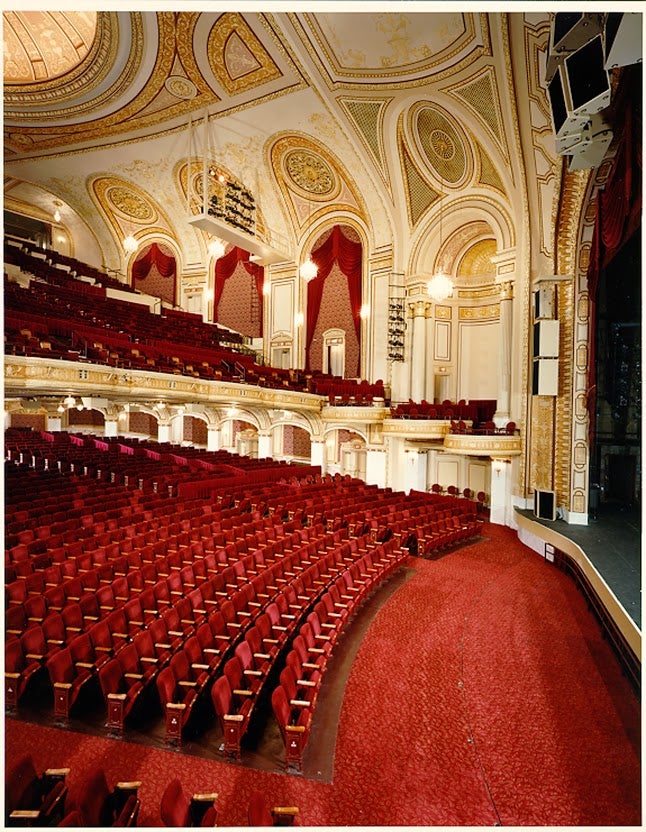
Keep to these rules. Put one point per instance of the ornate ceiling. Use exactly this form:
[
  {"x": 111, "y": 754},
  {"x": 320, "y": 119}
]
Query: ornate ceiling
[{"x": 382, "y": 120}]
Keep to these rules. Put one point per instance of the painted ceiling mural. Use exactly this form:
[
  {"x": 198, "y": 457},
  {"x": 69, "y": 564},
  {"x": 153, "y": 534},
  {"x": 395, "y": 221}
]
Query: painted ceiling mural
[{"x": 384, "y": 117}]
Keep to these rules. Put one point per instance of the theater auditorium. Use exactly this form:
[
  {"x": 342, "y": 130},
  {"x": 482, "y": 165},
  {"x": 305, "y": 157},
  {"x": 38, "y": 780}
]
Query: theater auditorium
[{"x": 322, "y": 416}]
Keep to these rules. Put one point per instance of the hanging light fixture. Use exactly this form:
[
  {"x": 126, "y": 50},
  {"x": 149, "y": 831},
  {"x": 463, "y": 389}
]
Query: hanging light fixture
[
  {"x": 69, "y": 401},
  {"x": 440, "y": 286},
  {"x": 308, "y": 269},
  {"x": 130, "y": 244},
  {"x": 57, "y": 213},
  {"x": 216, "y": 248}
]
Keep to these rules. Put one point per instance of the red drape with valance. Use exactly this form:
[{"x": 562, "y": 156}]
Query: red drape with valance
[
  {"x": 618, "y": 216},
  {"x": 225, "y": 266},
  {"x": 153, "y": 257},
  {"x": 347, "y": 253}
]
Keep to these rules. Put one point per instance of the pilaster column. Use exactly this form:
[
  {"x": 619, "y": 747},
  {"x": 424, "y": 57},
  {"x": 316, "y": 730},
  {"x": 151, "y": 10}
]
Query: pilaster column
[
  {"x": 430, "y": 349},
  {"x": 503, "y": 410},
  {"x": 318, "y": 455},
  {"x": 418, "y": 311},
  {"x": 415, "y": 462},
  {"x": 212, "y": 438},
  {"x": 500, "y": 499},
  {"x": 376, "y": 466},
  {"x": 265, "y": 444},
  {"x": 163, "y": 432}
]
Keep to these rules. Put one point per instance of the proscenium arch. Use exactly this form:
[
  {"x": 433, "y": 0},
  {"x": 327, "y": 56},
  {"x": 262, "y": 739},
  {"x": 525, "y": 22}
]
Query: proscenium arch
[{"x": 455, "y": 215}]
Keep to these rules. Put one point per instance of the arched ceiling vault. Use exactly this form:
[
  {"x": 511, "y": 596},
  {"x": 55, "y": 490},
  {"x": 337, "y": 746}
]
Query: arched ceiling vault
[{"x": 380, "y": 116}]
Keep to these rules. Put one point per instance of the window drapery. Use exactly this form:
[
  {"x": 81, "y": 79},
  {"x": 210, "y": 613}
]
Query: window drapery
[
  {"x": 150, "y": 258},
  {"x": 225, "y": 266},
  {"x": 347, "y": 253}
]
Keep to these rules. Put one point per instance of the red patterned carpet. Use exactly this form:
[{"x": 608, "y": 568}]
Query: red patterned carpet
[{"x": 482, "y": 693}]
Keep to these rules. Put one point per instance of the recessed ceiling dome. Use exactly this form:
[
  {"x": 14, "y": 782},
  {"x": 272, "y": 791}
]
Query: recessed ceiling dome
[{"x": 39, "y": 45}]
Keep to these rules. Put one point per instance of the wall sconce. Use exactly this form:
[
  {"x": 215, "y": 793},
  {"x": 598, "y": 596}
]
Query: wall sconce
[
  {"x": 266, "y": 288},
  {"x": 498, "y": 466},
  {"x": 365, "y": 312},
  {"x": 299, "y": 319},
  {"x": 216, "y": 248}
]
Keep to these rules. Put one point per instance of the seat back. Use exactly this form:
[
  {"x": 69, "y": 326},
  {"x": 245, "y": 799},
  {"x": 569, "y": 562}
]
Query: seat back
[{"x": 175, "y": 807}]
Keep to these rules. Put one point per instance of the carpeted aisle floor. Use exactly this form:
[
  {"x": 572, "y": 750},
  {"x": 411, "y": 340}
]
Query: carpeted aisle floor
[{"x": 482, "y": 693}]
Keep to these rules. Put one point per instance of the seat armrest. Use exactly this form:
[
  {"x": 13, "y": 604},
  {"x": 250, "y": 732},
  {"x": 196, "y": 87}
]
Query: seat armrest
[{"x": 300, "y": 703}]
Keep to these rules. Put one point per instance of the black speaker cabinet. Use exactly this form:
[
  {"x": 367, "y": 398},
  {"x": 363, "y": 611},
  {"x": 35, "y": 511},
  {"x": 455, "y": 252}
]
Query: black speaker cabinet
[{"x": 545, "y": 505}]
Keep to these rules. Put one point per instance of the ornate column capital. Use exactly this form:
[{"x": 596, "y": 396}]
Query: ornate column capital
[
  {"x": 506, "y": 289},
  {"x": 419, "y": 309}
]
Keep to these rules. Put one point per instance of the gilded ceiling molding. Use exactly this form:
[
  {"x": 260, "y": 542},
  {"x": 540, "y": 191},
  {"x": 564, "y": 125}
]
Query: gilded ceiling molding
[
  {"x": 487, "y": 174},
  {"x": 476, "y": 34},
  {"x": 237, "y": 58},
  {"x": 420, "y": 196},
  {"x": 477, "y": 260},
  {"x": 47, "y": 45},
  {"x": 480, "y": 94},
  {"x": 441, "y": 143},
  {"x": 89, "y": 72},
  {"x": 479, "y": 313},
  {"x": 367, "y": 117},
  {"x": 133, "y": 115},
  {"x": 310, "y": 177}
]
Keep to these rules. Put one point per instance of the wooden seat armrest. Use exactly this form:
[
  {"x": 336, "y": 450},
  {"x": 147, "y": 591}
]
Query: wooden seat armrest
[
  {"x": 263, "y": 656},
  {"x": 176, "y": 706},
  {"x": 121, "y": 635},
  {"x": 63, "y": 685},
  {"x": 175, "y": 633},
  {"x": 317, "y": 650},
  {"x": 56, "y": 773},
  {"x": 310, "y": 665},
  {"x": 300, "y": 703},
  {"x": 285, "y": 811},
  {"x": 128, "y": 785},
  {"x": 37, "y": 656},
  {"x": 270, "y": 640},
  {"x": 25, "y": 814},
  {"x": 288, "y": 615},
  {"x": 162, "y": 646},
  {"x": 280, "y": 628},
  {"x": 295, "y": 729},
  {"x": 209, "y": 797},
  {"x": 240, "y": 692},
  {"x": 235, "y": 624},
  {"x": 198, "y": 666},
  {"x": 233, "y": 717},
  {"x": 250, "y": 672},
  {"x": 136, "y": 623},
  {"x": 187, "y": 683},
  {"x": 135, "y": 676},
  {"x": 101, "y": 649},
  {"x": 117, "y": 696},
  {"x": 212, "y": 651},
  {"x": 328, "y": 626},
  {"x": 305, "y": 683},
  {"x": 87, "y": 665},
  {"x": 335, "y": 615},
  {"x": 321, "y": 637},
  {"x": 199, "y": 612},
  {"x": 150, "y": 659},
  {"x": 341, "y": 606}
]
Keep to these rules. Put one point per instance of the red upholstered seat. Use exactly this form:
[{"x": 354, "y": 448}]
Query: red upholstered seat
[
  {"x": 41, "y": 795},
  {"x": 177, "y": 809}
]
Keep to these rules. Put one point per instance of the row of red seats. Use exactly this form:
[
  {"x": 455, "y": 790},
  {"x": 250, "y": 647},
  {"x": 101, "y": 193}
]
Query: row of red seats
[{"x": 294, "y": 699}]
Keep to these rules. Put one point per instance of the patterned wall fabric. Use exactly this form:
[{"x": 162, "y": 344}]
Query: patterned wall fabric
[
  {"x": 336, "y": 313},
  {"x": 239, "y": 308},
  {"x": 296, "y": 442},
  {"x": 194, "y": 430},
  {"x": 85, "y": 417},
  {"x": 35, "y": 421},
  {"x": 142, "y": 423}
]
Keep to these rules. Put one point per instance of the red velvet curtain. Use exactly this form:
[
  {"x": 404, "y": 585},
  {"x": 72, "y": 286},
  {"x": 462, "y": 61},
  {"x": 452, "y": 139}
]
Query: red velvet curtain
[
  {"x": 347, "y": 253},
  {"x": 153, "y": 257},
  {"x": 225, "y": 267},
  {"x": 618, "y": 216}
]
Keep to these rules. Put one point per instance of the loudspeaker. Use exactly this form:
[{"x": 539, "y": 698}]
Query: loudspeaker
[
  {"x": 545, "y": 505},
  {"x": 591, "y": 150},
  {"x": 546, "y": 339},
  {"x": 622, "y": 39},
  {"x": 569, "y": 31},
  {"x": 579, "y": 89},
  {"x": 545, "y": 377},
  {"x": 544, "y": 303}
]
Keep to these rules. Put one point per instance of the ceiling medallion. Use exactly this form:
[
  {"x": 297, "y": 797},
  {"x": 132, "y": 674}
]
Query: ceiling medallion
[
  {"x": 130, "y": 203},
  {"x": 309, "y": 172},
  {"x": 180, "y": 87},
  {"x": 442, "y": 144}
]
